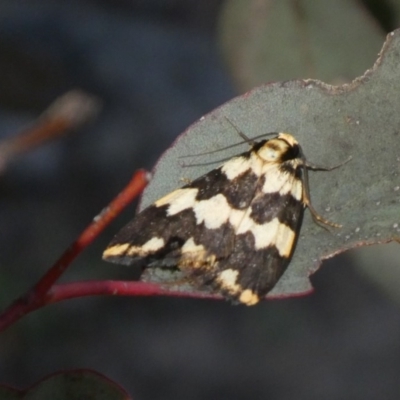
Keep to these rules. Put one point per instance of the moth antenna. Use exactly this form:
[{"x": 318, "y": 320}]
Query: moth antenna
[
  {"x": 245, "y": 138},
  {"x": 205, "y": 163},
  {"x": 215, "y": 151},
  {"x": 250, "y": 141},
  {"x": 240, "y": 133}
]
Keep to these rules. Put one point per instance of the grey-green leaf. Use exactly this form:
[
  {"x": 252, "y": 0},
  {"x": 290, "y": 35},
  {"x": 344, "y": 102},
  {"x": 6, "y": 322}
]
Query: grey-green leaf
[{"x": 331, "y": 123}]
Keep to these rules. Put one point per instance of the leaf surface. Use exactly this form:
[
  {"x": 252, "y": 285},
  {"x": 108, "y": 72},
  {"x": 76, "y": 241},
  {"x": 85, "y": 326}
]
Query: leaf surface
[{"x": 331, "y": 123}]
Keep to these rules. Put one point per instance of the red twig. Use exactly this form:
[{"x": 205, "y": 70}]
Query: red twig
[
  {"x": 131, "y": 191},
  {"x": 73, "y": 290},
  {"x": 40, "y": 294},
  {"x": 116, "y": 288}
]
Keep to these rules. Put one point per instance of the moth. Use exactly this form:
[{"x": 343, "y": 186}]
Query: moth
[{"x": 234, "y": 229}]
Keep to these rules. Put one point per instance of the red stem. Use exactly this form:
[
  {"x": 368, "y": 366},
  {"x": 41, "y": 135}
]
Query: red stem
[
  {"x": 73, "y": 290},
  {"x": 38, "y": 295},
  {"x": 116, "y": 288},
  {"x": 131, "y": 191}
]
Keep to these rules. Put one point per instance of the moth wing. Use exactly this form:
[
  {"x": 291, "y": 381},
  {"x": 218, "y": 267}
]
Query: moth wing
[
  {"x": 265, "y": 237},
  {"x": 151, "y": 236},
  {"x": 159, "y": 233}
]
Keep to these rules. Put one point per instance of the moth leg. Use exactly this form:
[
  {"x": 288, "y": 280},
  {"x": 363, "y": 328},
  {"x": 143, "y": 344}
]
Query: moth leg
[
  {"x": 316, "y": 167},
  {"x": 318, "y": 219}
]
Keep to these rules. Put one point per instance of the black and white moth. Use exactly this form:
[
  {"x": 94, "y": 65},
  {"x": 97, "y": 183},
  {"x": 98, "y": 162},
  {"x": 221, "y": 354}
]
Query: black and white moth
[{"x": 233, "y": 229}]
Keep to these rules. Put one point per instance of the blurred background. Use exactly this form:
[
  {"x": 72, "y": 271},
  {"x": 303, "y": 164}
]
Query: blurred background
[{"x": 157, "y": 66}]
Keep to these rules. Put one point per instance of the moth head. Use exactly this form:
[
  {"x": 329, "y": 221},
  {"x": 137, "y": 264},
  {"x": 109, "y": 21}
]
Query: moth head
[{"x": 281, "y": 148}]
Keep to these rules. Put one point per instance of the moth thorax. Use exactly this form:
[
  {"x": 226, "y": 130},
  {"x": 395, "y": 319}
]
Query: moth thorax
[{"x": 278, "y": 149}]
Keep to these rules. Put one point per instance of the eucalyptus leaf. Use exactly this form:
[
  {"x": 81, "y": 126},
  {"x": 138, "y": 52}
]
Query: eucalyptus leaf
[{"x": 361, "y": 120}]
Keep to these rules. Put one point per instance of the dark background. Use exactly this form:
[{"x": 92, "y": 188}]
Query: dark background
[{"x": 156, "y": 67}]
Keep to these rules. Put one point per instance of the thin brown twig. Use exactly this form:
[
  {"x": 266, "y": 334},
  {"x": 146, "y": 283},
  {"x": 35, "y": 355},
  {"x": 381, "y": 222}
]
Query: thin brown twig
[{"x": 67, "y": 112}]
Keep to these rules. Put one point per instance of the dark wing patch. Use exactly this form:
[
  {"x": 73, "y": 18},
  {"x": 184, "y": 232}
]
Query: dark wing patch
[
  {"x": 238, "y": 192},
  {"x": 152, "y": 223},
  {"x": 268, "y": 206}
]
